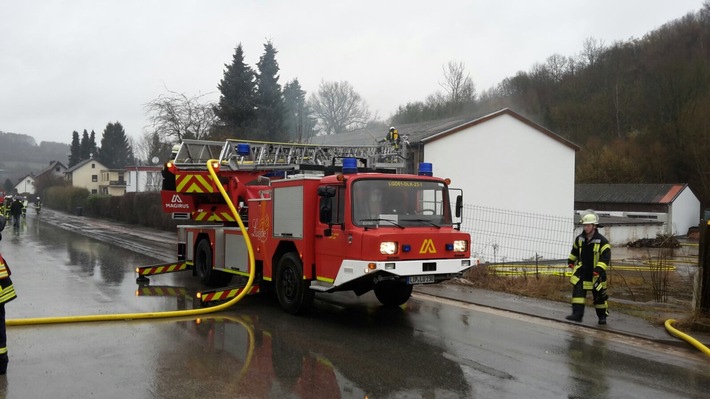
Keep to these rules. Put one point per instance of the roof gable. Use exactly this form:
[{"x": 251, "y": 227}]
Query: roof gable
[{"x": 84, "y": 162}]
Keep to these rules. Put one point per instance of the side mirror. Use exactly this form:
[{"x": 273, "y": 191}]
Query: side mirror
[
  {"x": 326, "y": 209},
  {"x": 459, "y": 205},
  {"x": 326, "y": 191}
]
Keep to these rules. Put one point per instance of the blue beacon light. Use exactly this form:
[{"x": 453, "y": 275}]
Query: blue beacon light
[
  {"x": 349, "y": 165},
  {"x": 425, "y": 169}
]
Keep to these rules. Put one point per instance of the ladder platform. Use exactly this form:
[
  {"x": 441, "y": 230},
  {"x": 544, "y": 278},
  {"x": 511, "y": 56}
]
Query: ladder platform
[
  {"x": 224, "y": 293},
  {"x": 251, "y": 155}
]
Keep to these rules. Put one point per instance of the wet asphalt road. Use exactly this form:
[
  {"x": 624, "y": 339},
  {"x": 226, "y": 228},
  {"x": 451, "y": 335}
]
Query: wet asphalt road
[{"x": 347, "y": 347}]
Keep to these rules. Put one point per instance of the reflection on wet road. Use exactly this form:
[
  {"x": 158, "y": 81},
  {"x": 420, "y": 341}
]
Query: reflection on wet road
[{"x": 347, "y": 347}]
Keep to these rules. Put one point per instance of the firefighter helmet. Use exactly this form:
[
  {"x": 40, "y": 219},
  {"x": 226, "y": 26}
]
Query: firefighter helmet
[{"x": 590, "y": 217}]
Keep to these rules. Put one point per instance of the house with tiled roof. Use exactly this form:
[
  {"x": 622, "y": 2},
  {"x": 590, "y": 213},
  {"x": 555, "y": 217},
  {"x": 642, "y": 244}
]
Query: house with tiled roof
[
  {"x": 672, "y": 208},
  {"x": 55, "y": 169}
]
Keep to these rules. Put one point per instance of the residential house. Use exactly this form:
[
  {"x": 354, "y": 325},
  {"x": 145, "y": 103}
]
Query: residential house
[
  {"x": 143, "y": 179},
  {"x": 86, "y": 174},
  {"x": 112, "y": 182},
  {"x": 517, "y": 178},
  {"x": 55, "y": 169},
  {"x": 25, "y": 186},
  {"x": 634, "y": 211}
]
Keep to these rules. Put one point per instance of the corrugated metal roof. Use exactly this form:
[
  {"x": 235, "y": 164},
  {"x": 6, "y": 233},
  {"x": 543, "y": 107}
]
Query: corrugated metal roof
[{"x": 628, "y": 193}]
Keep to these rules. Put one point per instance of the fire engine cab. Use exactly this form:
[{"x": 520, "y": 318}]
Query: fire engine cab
[{"x": 318, "y": 219}]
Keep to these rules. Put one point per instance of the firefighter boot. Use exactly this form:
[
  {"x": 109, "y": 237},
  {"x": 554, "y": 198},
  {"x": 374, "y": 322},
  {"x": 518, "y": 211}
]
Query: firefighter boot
[
  {"x": 602, "y": 314},
  {"x": 3, "y": 363},
  {"x": 577, "y": 312}
]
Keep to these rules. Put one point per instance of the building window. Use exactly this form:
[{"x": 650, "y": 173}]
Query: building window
[
  {"x": 94, "y": 179},
  {"x": 93, "y": 191},
  {"x": 93, "y": 166}
]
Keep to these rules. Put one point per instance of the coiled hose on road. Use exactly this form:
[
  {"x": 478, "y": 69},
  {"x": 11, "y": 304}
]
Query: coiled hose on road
[{"x": 164, "y": 314}]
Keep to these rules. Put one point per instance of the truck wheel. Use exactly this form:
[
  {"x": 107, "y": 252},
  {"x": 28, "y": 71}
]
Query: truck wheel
[
  {"x": 291, "y": 289},
  {"x": 393, "y": 293},
  {"x": 203, "y": 266}
]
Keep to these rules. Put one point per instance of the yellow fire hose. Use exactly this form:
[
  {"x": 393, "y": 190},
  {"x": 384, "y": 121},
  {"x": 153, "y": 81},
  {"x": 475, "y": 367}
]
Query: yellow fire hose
[
  {"x": 685, "y": 337},
  {"x": 164, "y": 314}
]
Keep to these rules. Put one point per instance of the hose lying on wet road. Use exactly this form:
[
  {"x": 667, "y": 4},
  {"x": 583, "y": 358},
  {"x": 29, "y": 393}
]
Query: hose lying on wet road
[
  {"x": 163, "y": 314},
  {"x": 685, "y": 337}
]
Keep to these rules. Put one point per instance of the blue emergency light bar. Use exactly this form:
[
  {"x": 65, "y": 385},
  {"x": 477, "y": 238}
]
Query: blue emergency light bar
[
  {"x": 426, "y": 169},
  {"x": 349, "y": 165}
]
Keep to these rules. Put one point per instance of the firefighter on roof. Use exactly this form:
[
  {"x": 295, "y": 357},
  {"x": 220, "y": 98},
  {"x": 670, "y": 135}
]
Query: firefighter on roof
[
  {"x": 589, "y": 259},
  {"x": 393, "y": 137}
]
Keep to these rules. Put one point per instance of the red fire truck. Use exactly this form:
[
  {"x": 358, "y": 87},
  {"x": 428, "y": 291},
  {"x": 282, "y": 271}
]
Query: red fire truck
[{"x": 318, "y": 218}]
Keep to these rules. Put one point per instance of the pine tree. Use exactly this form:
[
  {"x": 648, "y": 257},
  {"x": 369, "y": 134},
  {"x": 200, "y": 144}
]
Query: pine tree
[
  {"x": 298, "y": 119},
  {"x": 85, "y": 146},
  {"x": 92, "y": 143},
  {"x": 270, "y": 105},
  {"x": 116, "y": 151},
  {"x": 236, "y": 108},
  {"x": 75, "y": 149}
]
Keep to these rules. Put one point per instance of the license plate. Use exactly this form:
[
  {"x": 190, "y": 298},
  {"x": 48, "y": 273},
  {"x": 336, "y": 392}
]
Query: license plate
[{"x": 420, "y": 279}]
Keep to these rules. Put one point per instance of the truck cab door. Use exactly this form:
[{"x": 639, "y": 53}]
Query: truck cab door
[{"x": 331, "y": 242}]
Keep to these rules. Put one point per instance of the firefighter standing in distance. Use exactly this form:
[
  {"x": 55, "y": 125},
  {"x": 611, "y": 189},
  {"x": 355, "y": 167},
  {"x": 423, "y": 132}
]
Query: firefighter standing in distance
[{"x": 589, "y": 259}]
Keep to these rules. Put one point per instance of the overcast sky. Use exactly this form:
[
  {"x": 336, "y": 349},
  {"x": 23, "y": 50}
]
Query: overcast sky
[{"x": 75, "y": 65}]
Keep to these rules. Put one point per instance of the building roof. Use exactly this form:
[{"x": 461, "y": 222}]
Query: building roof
[
  {"x": 423, "y": 132},
  {"x": 50, "y": 168},
  {"x": 82, "y": 163},
  {"x": 628, "y": 193}
]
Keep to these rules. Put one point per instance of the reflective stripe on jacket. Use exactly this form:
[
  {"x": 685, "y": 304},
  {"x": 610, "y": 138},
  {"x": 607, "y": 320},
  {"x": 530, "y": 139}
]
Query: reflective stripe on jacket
[{"x": 7, "y": 290}]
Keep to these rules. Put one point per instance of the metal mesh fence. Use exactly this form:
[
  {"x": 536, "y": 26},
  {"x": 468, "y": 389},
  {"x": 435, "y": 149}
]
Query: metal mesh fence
[{"x": 504, "y": 236}]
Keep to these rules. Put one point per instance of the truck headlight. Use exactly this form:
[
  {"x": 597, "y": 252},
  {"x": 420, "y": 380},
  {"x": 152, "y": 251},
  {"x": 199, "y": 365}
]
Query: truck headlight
[
  {"x": 388, "y": 248},
  {"x": 460, "y": 245}
]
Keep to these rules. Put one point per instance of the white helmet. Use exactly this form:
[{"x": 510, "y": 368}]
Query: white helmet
[{"x": 590, "y": 217}]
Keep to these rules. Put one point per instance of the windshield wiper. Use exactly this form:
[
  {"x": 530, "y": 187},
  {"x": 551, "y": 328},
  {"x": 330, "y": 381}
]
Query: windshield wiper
[
  {"x": 381, "y": 220},
  {"x": 425, "y": 221}
]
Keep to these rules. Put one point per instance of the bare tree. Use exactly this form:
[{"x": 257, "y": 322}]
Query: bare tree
[
  {"x": 592, "y": 50},
  {"x": 338, "y": 107},
  {"x": 175, "y": 116},
  {"x": 457, "y": 84}
]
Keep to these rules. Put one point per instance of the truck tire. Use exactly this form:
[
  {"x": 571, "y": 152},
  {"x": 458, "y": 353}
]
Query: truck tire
[
  {"x": 203, "y": 266},
  {"x": 393, "y": 293},
  {"x": 291, "y": 289}
]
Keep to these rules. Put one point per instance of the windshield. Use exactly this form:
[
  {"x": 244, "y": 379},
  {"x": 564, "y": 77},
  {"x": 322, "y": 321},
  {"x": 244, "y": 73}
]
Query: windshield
[{"x": 400, "y": 203}]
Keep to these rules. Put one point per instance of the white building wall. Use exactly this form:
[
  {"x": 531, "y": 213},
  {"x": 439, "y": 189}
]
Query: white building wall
[
  {"x": 506, "y": 164},
  {"x": 26, "y": 185},
  {"x": 685, "y": 212},
  {"x": 142, "y": 180}
]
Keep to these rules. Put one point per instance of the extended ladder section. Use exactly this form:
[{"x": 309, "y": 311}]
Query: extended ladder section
[{"x": 248, "y": 155}]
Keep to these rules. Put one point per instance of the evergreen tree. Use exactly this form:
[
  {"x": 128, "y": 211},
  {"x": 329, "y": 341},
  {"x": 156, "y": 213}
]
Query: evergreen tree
[
  {"x": 158, "y": 149},
  {"x": 116, "y": 151},
  {"x": 236, "y": 108},
  {"x": 270, "y": 105},
  {"x": 298, "y": 119},
  {"x": 85, "y": 146},
  {"x": 92, "y": 143},
  {"x": 75, "y": 149}
]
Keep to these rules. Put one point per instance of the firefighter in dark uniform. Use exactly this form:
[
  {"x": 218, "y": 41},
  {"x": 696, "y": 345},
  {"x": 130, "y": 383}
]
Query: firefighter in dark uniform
[
  {"x": 589, "y": 259},
  {"x": 7, "y": 293}
]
